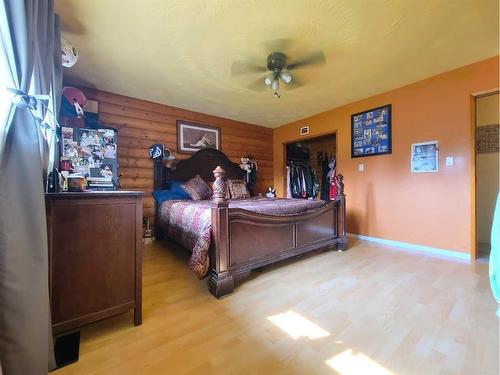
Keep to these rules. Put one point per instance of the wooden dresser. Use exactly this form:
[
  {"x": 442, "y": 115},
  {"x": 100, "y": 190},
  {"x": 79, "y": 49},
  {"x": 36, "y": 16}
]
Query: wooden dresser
[{"x": 95, "y": 256}]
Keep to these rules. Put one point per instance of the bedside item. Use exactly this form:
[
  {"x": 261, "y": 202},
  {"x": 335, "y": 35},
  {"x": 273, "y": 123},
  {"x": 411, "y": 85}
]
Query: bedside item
[
  {"x": 197, "y": 188},
  {"x": 95, "y": 256},
  {"x": 371, "y": 132}
]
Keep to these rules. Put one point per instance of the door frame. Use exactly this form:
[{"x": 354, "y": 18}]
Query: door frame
[
  {"x": 473, "y": 175},
  {"x": 305, "y": 138}
]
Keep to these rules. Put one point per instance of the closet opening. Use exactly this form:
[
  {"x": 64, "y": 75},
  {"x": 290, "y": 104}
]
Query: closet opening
[{"x": 308, "y": 164}]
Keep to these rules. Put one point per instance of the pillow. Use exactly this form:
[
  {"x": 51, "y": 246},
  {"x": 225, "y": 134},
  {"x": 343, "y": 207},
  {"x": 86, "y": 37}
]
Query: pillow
[
  {"x": 197, "y": 188},
  {"x": 174, "y": 192},
  {"x": 238, "y": 189}
]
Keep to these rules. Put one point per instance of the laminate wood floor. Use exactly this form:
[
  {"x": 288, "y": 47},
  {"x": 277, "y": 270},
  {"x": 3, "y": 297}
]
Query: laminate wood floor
[{"x": 370, "y": 310}]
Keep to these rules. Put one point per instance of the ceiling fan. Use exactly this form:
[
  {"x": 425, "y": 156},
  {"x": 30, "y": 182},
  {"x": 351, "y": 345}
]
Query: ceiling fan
[{"x": 278, "y": 68}]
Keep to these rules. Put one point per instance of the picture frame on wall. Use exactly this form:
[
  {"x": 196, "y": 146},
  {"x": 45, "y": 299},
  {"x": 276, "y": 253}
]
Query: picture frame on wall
[
  {"x": 424, "y": 157},
  {"x": 371, "y": 132},
  {"x": 193, "y": 137}
]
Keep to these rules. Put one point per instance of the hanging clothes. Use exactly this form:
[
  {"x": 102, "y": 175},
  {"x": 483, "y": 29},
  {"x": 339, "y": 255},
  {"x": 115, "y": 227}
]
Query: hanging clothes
[
  {"x": 288, "y": 189},
  {"x": 302, "y": 180},
  {"x": 325, "y": 184}
]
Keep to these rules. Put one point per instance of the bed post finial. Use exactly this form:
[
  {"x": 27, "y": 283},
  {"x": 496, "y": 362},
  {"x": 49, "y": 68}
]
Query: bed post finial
[
  {"x": 219, "y": 185},
  {"x": 339, "y": 184}
]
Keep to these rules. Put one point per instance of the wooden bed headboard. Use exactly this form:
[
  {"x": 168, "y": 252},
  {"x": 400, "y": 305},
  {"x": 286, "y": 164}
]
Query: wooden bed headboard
[{"x": 203, "y": 162}]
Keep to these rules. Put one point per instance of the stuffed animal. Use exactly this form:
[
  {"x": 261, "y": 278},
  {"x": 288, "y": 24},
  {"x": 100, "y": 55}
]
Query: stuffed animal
[
  {"x": 249, "y": 166},
  {"x": 246, "y": 164},
  {"x": 271, "y": 192}
]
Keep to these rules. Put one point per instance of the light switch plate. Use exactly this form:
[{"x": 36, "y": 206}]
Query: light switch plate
[
  {"x": 361, "y": 167},
  {"x": 449, "y": 161}
]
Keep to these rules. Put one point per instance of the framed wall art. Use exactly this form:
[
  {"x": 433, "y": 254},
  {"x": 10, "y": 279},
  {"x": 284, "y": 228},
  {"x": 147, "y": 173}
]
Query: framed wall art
[
  {"x": 371, "y": 132},
  {"x": 194, "y": 137},
  {"x": 487, "y": 139},
  {"x": 424, "y": 157}
]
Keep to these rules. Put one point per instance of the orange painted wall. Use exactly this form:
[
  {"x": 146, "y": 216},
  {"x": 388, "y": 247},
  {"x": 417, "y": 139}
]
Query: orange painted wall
[{"x": 387, "y": 201}]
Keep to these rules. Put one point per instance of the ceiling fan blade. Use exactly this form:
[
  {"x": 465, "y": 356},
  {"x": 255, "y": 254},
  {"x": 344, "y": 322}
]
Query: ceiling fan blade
[
  {"x": 257, "y": 85},
  {"x": 277, "y": 45},
  {"x": 246, "y": 67},
  {"x": 315, "y": 58}
]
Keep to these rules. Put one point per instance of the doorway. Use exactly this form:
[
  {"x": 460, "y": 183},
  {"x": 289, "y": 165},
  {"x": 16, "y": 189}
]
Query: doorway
[
  {"x": 312, "y": 153},
  {"x": 487, "y": 168}
]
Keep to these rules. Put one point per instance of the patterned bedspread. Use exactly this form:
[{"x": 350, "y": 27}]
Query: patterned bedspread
[{"x": 190, "y": 222}]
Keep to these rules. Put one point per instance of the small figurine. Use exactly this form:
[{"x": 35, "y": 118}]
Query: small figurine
[{"x": 271, "y": 192}]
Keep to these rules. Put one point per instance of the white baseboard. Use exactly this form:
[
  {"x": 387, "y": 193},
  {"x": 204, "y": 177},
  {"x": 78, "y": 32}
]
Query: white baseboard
[{"x": 414, "y": 247}]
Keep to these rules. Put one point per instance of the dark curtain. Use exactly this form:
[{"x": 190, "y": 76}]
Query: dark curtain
[{"x": 30, "y": 53}]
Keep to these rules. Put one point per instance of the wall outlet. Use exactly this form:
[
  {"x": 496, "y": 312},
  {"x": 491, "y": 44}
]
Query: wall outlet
[
  {"x": 449, "y": 161},
  {"x": 361, "y": 167}
]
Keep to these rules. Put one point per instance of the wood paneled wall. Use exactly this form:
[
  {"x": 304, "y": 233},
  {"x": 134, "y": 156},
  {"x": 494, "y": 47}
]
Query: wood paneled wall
[{"x": 143, "y": 123}]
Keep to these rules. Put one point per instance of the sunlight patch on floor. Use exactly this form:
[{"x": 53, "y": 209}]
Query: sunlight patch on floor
[
  {"x": 347, "y": 363},
  {"x": 297, "y": 326}
]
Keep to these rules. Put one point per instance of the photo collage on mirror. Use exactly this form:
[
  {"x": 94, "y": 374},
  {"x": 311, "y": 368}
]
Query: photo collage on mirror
[{"x": 91, "y": 152}]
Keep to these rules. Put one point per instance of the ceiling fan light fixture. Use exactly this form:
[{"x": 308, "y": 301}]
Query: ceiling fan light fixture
[
  {"x": 285, "y": 76},
  {"x": 269, "y": 79},
  {"x": 275, "y": 85}
]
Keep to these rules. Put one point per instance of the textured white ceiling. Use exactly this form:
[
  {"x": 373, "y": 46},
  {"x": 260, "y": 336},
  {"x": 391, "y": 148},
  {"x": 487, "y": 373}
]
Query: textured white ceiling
[{"x": 180, "y": 52}]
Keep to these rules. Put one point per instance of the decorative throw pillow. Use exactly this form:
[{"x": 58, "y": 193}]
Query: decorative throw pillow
[
  {"x": 197, "y": 188},
  {"x": 174, "y": 192},
  {"x": 238, "y": 189}
]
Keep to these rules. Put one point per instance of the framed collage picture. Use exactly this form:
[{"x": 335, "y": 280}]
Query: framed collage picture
[
  {"x": 371, "y": 132},
  {"x": 91, "y": 153}
]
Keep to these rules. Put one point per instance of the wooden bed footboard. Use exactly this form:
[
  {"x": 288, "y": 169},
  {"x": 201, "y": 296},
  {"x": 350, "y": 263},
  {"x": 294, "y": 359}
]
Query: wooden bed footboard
[{"x": 244, "y": 240}]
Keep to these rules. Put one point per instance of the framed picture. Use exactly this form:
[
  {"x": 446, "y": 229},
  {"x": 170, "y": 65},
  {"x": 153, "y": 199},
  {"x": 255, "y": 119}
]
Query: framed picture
[
  {"x": 424, "y": 157},
  {"x": 304, "y": 130},
  {"x": 91, "y": 153},
  {"x": 371, "y": 132},
  {"x": 194, "y": 137}
]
